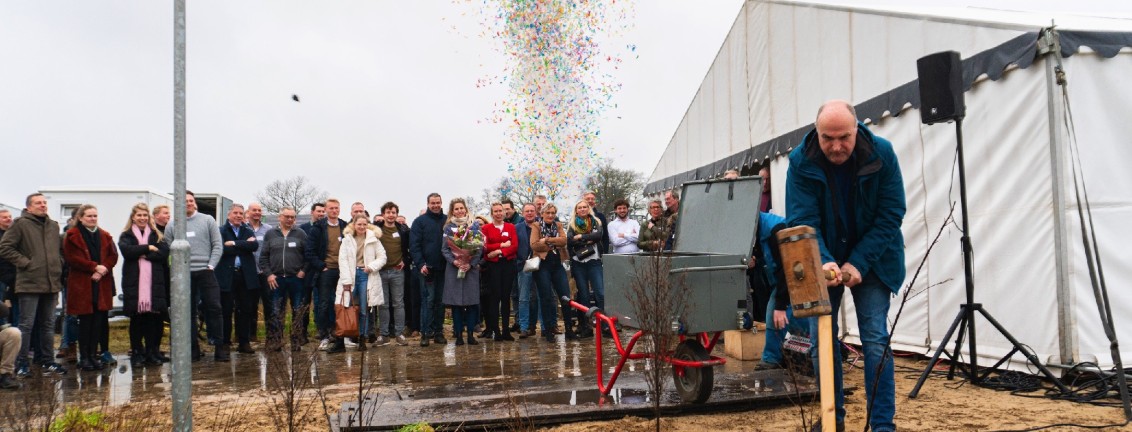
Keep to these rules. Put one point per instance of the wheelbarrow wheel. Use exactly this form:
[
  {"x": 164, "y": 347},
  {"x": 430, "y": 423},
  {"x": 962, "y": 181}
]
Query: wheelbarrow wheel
[{"x": 692, "y": 383}]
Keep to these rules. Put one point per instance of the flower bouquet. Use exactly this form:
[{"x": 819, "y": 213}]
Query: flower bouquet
[{"x": 465, "y": 243}]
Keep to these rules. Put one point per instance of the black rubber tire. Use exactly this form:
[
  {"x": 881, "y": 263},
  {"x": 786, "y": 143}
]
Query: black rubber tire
[{"x": 695, "y": 386}]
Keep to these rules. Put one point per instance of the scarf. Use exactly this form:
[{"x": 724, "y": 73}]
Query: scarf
[
  {"x": 548, "y": 229},
  {"x": 583, "y": 225},
  {"x": 145, "y": 273}
]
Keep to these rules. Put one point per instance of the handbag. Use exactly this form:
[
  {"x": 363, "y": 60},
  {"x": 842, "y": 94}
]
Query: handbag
[
  {"x": 586, "y": 252},
  {"x": 346, "y": 317},
  {"x": 531, "y": 265}
]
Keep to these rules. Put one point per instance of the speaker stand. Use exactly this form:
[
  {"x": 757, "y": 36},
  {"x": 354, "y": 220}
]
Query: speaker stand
[{"x": 965, "y": 319}]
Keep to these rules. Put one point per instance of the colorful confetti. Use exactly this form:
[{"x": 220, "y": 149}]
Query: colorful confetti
[{"x": 560, "y": 85}]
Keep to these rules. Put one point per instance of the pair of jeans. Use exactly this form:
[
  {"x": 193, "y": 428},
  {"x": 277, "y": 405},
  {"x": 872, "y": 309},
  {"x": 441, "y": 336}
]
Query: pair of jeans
[
  {"x": 70, "y": 333},
  {"x": 432, "y": 303},
  {"x": 528, "y": 301},
  {"x": 772, "y": 350},
  {"x": 552, "y": 288},
  {"x": 361, "y": 298},
  {"x": 293, "y": 289},
  {"x": 871, "y": 299},
  {"x": 393, "y": 288},
  {"x": 500, "y": 276},
  {"x": 205, "y": 292},
  {"x": 240, "y": 303},
  {"x": 38, "y": 311},
  {"x": 464, "y": 318},
  {"x": 324, "y": 309},
  {"x": 590, "y": 280}
]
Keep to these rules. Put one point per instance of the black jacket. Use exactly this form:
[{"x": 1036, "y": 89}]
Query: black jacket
[
  {"x": 132, "y": 252},
  {"x": 425, "y": 238},
  {"x": 226, "y": 269},
  {"x": 316, "y": 244},
  {"x": 283, "y": 256}
]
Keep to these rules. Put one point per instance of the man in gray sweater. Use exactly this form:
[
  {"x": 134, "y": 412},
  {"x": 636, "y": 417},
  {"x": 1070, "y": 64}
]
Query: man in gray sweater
[{"x": 205, "y": 249}]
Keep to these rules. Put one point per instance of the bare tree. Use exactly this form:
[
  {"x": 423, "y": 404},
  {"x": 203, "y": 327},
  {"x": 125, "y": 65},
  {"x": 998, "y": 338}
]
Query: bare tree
[
  {"x": 611, "y": 183},
  {"x": 656, "y": 298},
  {"x": 297, "y": 192}
]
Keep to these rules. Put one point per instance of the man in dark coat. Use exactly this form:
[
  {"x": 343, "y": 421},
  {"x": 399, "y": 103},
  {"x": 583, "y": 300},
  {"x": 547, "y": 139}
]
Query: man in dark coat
[
  {"x": 425, "y": 239},
  {"x": 239, "y": 282}
]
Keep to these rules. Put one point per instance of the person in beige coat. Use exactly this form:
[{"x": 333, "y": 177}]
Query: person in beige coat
[{"x": 361, "y": 251}]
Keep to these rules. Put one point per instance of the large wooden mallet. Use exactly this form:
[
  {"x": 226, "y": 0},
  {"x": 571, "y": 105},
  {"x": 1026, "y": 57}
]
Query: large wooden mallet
[{"x": 801, "y": 263}]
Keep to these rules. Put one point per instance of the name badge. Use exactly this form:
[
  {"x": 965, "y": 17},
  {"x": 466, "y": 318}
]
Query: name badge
[
  {"x": 396, "y": 234},
  {"x": 259, "y": 238},
  {"x": 190, "y": 234},
  {"x": 292, "y": 244},
  {"x": 506, "y": 234}
]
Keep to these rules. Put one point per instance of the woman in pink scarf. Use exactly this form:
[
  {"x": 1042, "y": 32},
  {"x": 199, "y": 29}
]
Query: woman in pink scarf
[{"x": 145, "y": 274}]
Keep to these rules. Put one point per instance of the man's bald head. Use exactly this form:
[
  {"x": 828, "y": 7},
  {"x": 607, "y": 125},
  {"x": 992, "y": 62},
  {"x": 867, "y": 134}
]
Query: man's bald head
[{"x": 837, "y": 130}]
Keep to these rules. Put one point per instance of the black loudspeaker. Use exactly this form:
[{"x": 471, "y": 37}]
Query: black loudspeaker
[{"x": 941, "y": 87}]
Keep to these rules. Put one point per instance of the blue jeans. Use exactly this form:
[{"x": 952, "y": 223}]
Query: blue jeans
[
  {"x": 393, "y": 288},
  {"x": 772, "y": 351},
  {"x": 324, "y": 307},
  {"x": 361, "y": 297},
  {"x": 464, "y": 318},
  {"x": 293, "y": 289},
  {"x": 527, "y": 307},
  {"x": 588, "y": 276},
  {"x": 552, "y": 286},
  {"x": 432, "y": 306},
  {"x": 871, "y": 299}
]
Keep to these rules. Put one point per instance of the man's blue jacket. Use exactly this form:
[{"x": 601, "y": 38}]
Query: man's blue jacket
[{"x": 877, "y": 244}]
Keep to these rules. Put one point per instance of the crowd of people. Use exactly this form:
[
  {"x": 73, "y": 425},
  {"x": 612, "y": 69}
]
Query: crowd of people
[{"x": 842, "y": 180}]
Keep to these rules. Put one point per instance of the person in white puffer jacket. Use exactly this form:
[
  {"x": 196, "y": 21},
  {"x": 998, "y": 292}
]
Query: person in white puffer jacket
[{"x": 362, "y": 251}]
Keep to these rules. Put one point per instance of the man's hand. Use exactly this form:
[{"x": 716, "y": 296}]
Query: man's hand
[
  {"x": 301, "y": 274},
  {"x": 229, "y": 243},
  {"x": 780, "y": 320},
  {"x": 832, "y": 267},
  {"x": 854, "y": 275},
  {"x": 400, "y": 265},
  {"x": 424, "y": 270},
  {"x": 251, "y": 239},
  {"x": 271, "y": 282}
]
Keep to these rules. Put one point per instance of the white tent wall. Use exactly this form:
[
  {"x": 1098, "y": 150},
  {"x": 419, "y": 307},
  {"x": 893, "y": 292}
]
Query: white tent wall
[
  {"x": 1006, "y": 148},
  {"x": 1098, "y": 100},
  {"x": 777, "y": 57}
]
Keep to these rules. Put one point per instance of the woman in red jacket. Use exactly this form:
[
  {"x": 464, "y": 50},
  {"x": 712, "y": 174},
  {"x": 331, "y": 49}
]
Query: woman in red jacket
[
  {"x": 500, "y": 245},
  {"x": 91, "y": 254}
]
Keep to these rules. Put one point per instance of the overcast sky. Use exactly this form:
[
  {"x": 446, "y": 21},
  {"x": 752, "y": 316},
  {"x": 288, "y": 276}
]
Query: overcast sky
[{"x": 389, "y": 107}]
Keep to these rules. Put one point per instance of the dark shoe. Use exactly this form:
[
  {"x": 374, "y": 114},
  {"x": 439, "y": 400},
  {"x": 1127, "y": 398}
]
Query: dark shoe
[
  {"x": 525, "y": 334},
  {"x": 514, "y": 328},
  {"x": 245, "y": 348},
  {"x": 223, "y": 353},
  {"x": 137, "y": 361},
  {"x": 767, "y": 366},
  {"x": 164, "y": 358},
  {"x": 54, "y": 369},
  {"x": 7, "y": 382},
  {"x": 67, "y": 354},
  {"x": 338, "y": 347},
  {"x": 98, "y": 363},
  {"x": 424, "y": 341},
  {"x": 362, "y": 345},
  {"x": 108, "y": 359},
  {"x": 507, "y": 337},
  {"x": 460, "y": 340},
  {"x": 153, "y": 360},
  {"x": 87, "y": 365},
  {"x": 472, "y": 339},
  {"x": 197, "y": 355},
  {"x": 570, "y": 335},
  {"x": 487, "y": 334},
  {"x": 439, "y": 338},
  {"x": 549, "y": 337},
  {"x": 817, "y": 427}
]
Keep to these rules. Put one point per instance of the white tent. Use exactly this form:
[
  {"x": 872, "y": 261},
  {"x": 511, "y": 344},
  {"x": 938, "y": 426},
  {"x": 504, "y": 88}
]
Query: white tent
[{"x": 782, "y": 59}]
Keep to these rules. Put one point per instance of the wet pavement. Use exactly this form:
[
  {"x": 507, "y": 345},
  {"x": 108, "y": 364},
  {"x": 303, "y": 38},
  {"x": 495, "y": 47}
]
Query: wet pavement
[{"x": 484, "y": 384}]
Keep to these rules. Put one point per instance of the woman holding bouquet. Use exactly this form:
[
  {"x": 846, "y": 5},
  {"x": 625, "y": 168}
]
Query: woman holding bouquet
[
  {"x": 548, "y": 242},
  {"x": 143, "y": 285},
  {"x": 360, "y": 258},
  {"x": 583, "y": 237},
  {"x": 500, "y": 249},
  {"x": 463, "y": 249}
]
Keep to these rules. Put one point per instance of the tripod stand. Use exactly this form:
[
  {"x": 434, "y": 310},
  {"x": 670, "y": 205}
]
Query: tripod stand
[{"x": 965, "y": 320}]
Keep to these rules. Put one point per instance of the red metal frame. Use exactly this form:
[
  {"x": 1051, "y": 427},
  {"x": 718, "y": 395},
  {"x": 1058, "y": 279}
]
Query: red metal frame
[{"x": 626, "y": 351}]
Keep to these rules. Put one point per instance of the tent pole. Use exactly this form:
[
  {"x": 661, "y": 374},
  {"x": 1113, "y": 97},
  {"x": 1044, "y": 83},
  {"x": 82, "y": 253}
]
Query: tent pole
[{"x": 1066, "y": 325}]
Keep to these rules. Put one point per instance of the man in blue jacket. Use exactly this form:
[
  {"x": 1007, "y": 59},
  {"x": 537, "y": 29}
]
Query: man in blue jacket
[
  {"x": 425, "y": 239},
  {"x": 845, "y": 182}
]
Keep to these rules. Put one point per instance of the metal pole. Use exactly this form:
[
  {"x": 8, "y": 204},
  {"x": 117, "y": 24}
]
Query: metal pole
[{"x": 180, "y": 313}]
